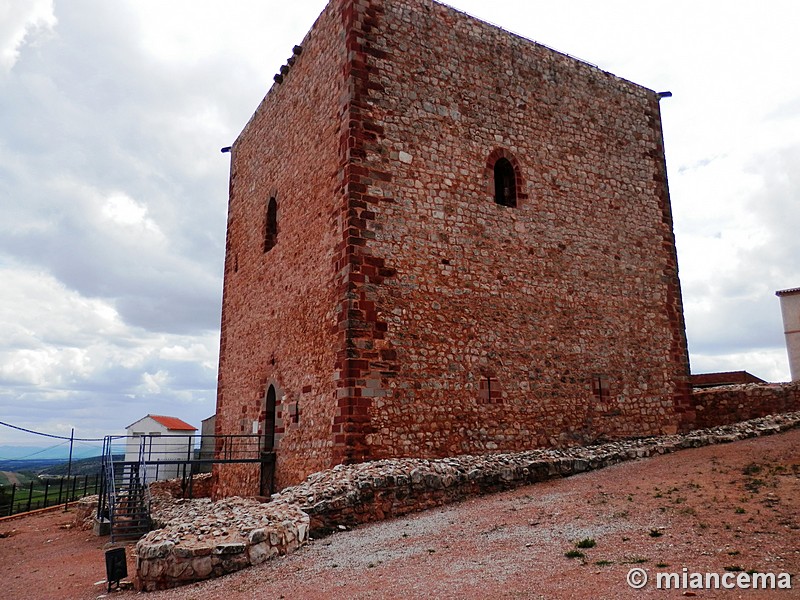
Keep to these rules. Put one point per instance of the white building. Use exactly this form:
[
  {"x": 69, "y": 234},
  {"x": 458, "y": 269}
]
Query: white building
[
  {"x": 161, "y": 441},
  {"x": 790, "y": 309}
]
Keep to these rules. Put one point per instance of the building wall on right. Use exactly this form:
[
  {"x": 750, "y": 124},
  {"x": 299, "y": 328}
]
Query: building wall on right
[
  {"x": 790, "y": 309},
  {"x": 554, "y": 321}
]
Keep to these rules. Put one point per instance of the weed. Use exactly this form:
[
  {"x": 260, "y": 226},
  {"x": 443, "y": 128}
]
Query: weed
[
  {"x": 662, "y": 565},
  {"x": 586, "y": 543},
  {"x": 604, "y": 563},
  {"x": 739, "y": 510},
  {"x": 654, "y": 533},
  {"x": 734, "y": 568},
  {"x": 752, "y": 469},
  {"x": 574, "y": 554}
]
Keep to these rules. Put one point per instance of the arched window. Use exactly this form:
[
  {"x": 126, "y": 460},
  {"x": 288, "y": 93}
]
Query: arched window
[
  {"x": 271, "y": 230},
  {"x": 505, "y": 183}
]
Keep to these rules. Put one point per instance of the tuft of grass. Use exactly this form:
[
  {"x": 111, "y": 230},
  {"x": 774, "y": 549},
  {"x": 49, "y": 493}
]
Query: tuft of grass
[
  {"x": 662, "y": 565},
  {"x": 603, "y": 563},
  {"x": 574, "y": 554},
  {"x": 739, "y": 510},
  {"x": 586, "y": 543},
  {"x": 734, "y": 568},
  {"x": 654, "y": 533},
  {"x": 751, "y": 469},
  {"x": 755, "y": 485}
]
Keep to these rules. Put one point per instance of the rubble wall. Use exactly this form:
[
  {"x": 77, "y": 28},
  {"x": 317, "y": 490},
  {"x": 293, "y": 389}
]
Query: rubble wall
[
  {"x": 200, "y": 539},
  {"x": 734, "y": 403}
]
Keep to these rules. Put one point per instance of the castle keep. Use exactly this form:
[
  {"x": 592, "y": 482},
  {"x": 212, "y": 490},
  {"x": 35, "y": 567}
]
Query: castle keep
[{"x": 444, "y": 239}]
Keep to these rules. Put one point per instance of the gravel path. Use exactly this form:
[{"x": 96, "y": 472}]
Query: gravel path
[{"x": 733, "y": 506}]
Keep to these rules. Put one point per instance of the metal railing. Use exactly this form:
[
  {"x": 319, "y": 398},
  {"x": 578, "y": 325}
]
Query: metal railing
[{"x": 46, "y": 492}]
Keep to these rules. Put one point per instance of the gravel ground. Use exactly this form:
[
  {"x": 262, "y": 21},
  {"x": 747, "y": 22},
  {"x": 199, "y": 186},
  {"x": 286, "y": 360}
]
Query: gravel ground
[{"x": 733, "y": 506}]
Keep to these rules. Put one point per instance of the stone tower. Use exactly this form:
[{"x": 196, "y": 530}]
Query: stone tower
[{"x": 443, "y": 239}]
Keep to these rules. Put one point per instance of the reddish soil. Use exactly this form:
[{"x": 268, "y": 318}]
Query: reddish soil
[{"x": 713, "y": 509}]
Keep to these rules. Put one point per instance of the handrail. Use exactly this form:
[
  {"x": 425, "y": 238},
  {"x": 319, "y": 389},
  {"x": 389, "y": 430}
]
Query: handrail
[
  {"x": 146, "y": 499},
  {"x": 111, "y": 493}
]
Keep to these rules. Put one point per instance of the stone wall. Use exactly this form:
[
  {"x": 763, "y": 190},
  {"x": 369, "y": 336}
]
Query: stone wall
[
  {"x": 734, "y": 403},
  {"x": 402, "y": 311},
  {"x": 279, "y": 303},
  {"x": 200, "y": 539},
  {"x": 567, "y": 306},
  {"x": 201, "y": 487}
]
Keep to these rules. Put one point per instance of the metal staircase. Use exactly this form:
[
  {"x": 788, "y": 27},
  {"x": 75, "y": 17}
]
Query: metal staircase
[{"x": 125, "y": 499}]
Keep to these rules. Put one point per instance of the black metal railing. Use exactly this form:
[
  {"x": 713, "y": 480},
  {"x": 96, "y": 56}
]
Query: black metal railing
[
  {"x": 46, "y": 492},
  {"x": 131, "y": 463}
]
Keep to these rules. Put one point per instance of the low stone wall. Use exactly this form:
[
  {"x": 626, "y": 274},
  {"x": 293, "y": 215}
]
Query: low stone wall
[
  {"x": 201, "y": 539},
  {"x": 200, "y": 488},
  {"x": 734, "y": 403},
  {"x": 85, "y": 511},
  {"x": 349, "y": 495}
]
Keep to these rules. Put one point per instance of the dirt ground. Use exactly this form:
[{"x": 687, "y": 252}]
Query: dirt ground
[{"x": 722, "y": 509}]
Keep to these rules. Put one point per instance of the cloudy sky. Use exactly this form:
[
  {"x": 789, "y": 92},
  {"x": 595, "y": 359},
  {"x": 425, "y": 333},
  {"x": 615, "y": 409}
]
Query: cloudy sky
[{"x": 113, "y": 190}]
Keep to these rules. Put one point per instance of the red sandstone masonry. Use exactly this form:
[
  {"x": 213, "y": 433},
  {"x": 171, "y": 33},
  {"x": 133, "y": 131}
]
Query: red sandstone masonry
[
  {"x": 401, "y": 296},
  {"x": 734, "y": 403},
  {"x": 279, "y": 322},
  {"x": 543, "y": 297}
]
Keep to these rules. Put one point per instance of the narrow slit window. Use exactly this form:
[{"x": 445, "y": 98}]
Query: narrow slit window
[
  {"x": 271, "y": 230},
  {"x": 601, "y": 388},
  {"x": 505, "y": 183}
]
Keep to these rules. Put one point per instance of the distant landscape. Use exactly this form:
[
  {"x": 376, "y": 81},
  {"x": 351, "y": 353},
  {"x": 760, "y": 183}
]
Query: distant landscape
[{"x": 26, "y": 470}]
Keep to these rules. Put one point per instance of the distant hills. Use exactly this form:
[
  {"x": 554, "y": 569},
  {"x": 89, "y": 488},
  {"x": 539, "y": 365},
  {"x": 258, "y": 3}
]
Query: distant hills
[
  {"x": 55, "y": 467},
  {"x": 60, "y": 452}
]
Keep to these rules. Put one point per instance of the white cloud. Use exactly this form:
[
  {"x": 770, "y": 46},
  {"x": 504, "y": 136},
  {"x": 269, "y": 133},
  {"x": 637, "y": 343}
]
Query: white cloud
[
  {"x": 113, "y": 191},
  {"x": 21, "y": 22}
]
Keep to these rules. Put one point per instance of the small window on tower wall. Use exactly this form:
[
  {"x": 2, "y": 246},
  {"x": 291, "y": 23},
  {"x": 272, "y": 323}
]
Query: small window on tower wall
[
  {"x": 600, "y": 387},
  {"x": 505, "y": 183},
  {"x": 271, "y": 230}
]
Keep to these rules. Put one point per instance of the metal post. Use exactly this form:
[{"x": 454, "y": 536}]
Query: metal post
[
  {"x": 11, "y": 506},
  {"x": 60, "y": 489},
  {"x": 46, "y": 490},
  {"x": 69, "y": 467},
  {"x": 30, "y": 497}
]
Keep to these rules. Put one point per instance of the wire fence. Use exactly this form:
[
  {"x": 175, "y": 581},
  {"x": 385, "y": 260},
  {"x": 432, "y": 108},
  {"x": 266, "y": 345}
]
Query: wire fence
[{"x": 42, "y": 493}]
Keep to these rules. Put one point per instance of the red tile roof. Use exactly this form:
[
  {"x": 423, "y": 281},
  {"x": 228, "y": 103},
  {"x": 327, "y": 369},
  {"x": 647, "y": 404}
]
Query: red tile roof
[{"x": 173, "y": 423}]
